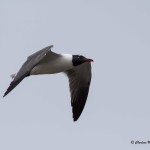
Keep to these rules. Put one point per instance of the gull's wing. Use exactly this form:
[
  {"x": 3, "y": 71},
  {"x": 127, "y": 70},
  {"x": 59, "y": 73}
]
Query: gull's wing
[
  {"x": 79, "y": 83},
  {"x": 30, "y": 63}
]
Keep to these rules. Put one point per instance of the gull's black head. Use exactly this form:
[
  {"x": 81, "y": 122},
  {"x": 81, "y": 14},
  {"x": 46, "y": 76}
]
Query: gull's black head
[{"x": 79, "y": 59}]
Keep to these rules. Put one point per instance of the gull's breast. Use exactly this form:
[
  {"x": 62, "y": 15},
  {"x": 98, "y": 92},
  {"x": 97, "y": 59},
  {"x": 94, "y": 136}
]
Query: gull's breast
[{"x": 52, "y": 66}]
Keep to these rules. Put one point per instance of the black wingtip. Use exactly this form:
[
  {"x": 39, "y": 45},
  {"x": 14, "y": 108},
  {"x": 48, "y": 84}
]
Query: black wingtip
[
  {"x": 75, "y": 119},
  {"x": 9, "y": 89},
  {"x": 13, "y": 84},
  {"x": 51, "y": 46},
  {"x": 5, "y": 93}
]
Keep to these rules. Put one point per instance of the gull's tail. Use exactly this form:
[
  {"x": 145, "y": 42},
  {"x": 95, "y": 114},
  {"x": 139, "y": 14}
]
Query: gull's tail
[{"x": 13, "y": 75}]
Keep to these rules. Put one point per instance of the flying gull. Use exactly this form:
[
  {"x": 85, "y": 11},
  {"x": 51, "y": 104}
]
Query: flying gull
[{"x": 76, "y": 67}]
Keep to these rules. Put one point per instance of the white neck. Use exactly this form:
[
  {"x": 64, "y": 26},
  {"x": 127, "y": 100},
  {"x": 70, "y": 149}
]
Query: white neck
[{"x": 67, "y": 58}]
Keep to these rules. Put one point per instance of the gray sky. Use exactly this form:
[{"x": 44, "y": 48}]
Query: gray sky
[{"x": 116, "y": 35}]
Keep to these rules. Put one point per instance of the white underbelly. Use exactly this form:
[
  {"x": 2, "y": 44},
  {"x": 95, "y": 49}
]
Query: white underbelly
[{"x": 50, "y": 68}]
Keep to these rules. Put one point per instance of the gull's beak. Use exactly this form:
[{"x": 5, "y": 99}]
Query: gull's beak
[{"x": 88, "y": 60}]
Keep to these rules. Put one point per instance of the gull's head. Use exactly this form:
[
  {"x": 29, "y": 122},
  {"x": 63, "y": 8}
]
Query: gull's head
[{"x": 79, "y": 59}]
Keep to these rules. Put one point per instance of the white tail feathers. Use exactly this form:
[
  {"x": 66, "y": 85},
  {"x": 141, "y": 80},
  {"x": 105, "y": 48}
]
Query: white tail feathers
[{"x": 13, "y": 75}]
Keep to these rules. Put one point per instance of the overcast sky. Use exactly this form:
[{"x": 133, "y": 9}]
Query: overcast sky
[{"x": 37, "y": 113}]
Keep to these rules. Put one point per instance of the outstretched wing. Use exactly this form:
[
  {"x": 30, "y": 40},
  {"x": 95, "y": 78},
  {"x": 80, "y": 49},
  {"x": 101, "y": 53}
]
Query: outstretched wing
[
  {"x": 30, "y": 63},
  {"x": 79, "y": 83}
]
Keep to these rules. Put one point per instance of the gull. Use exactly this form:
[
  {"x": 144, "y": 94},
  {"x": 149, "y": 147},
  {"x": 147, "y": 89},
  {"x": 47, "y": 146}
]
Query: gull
[{"x": 76, "y": 67}]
